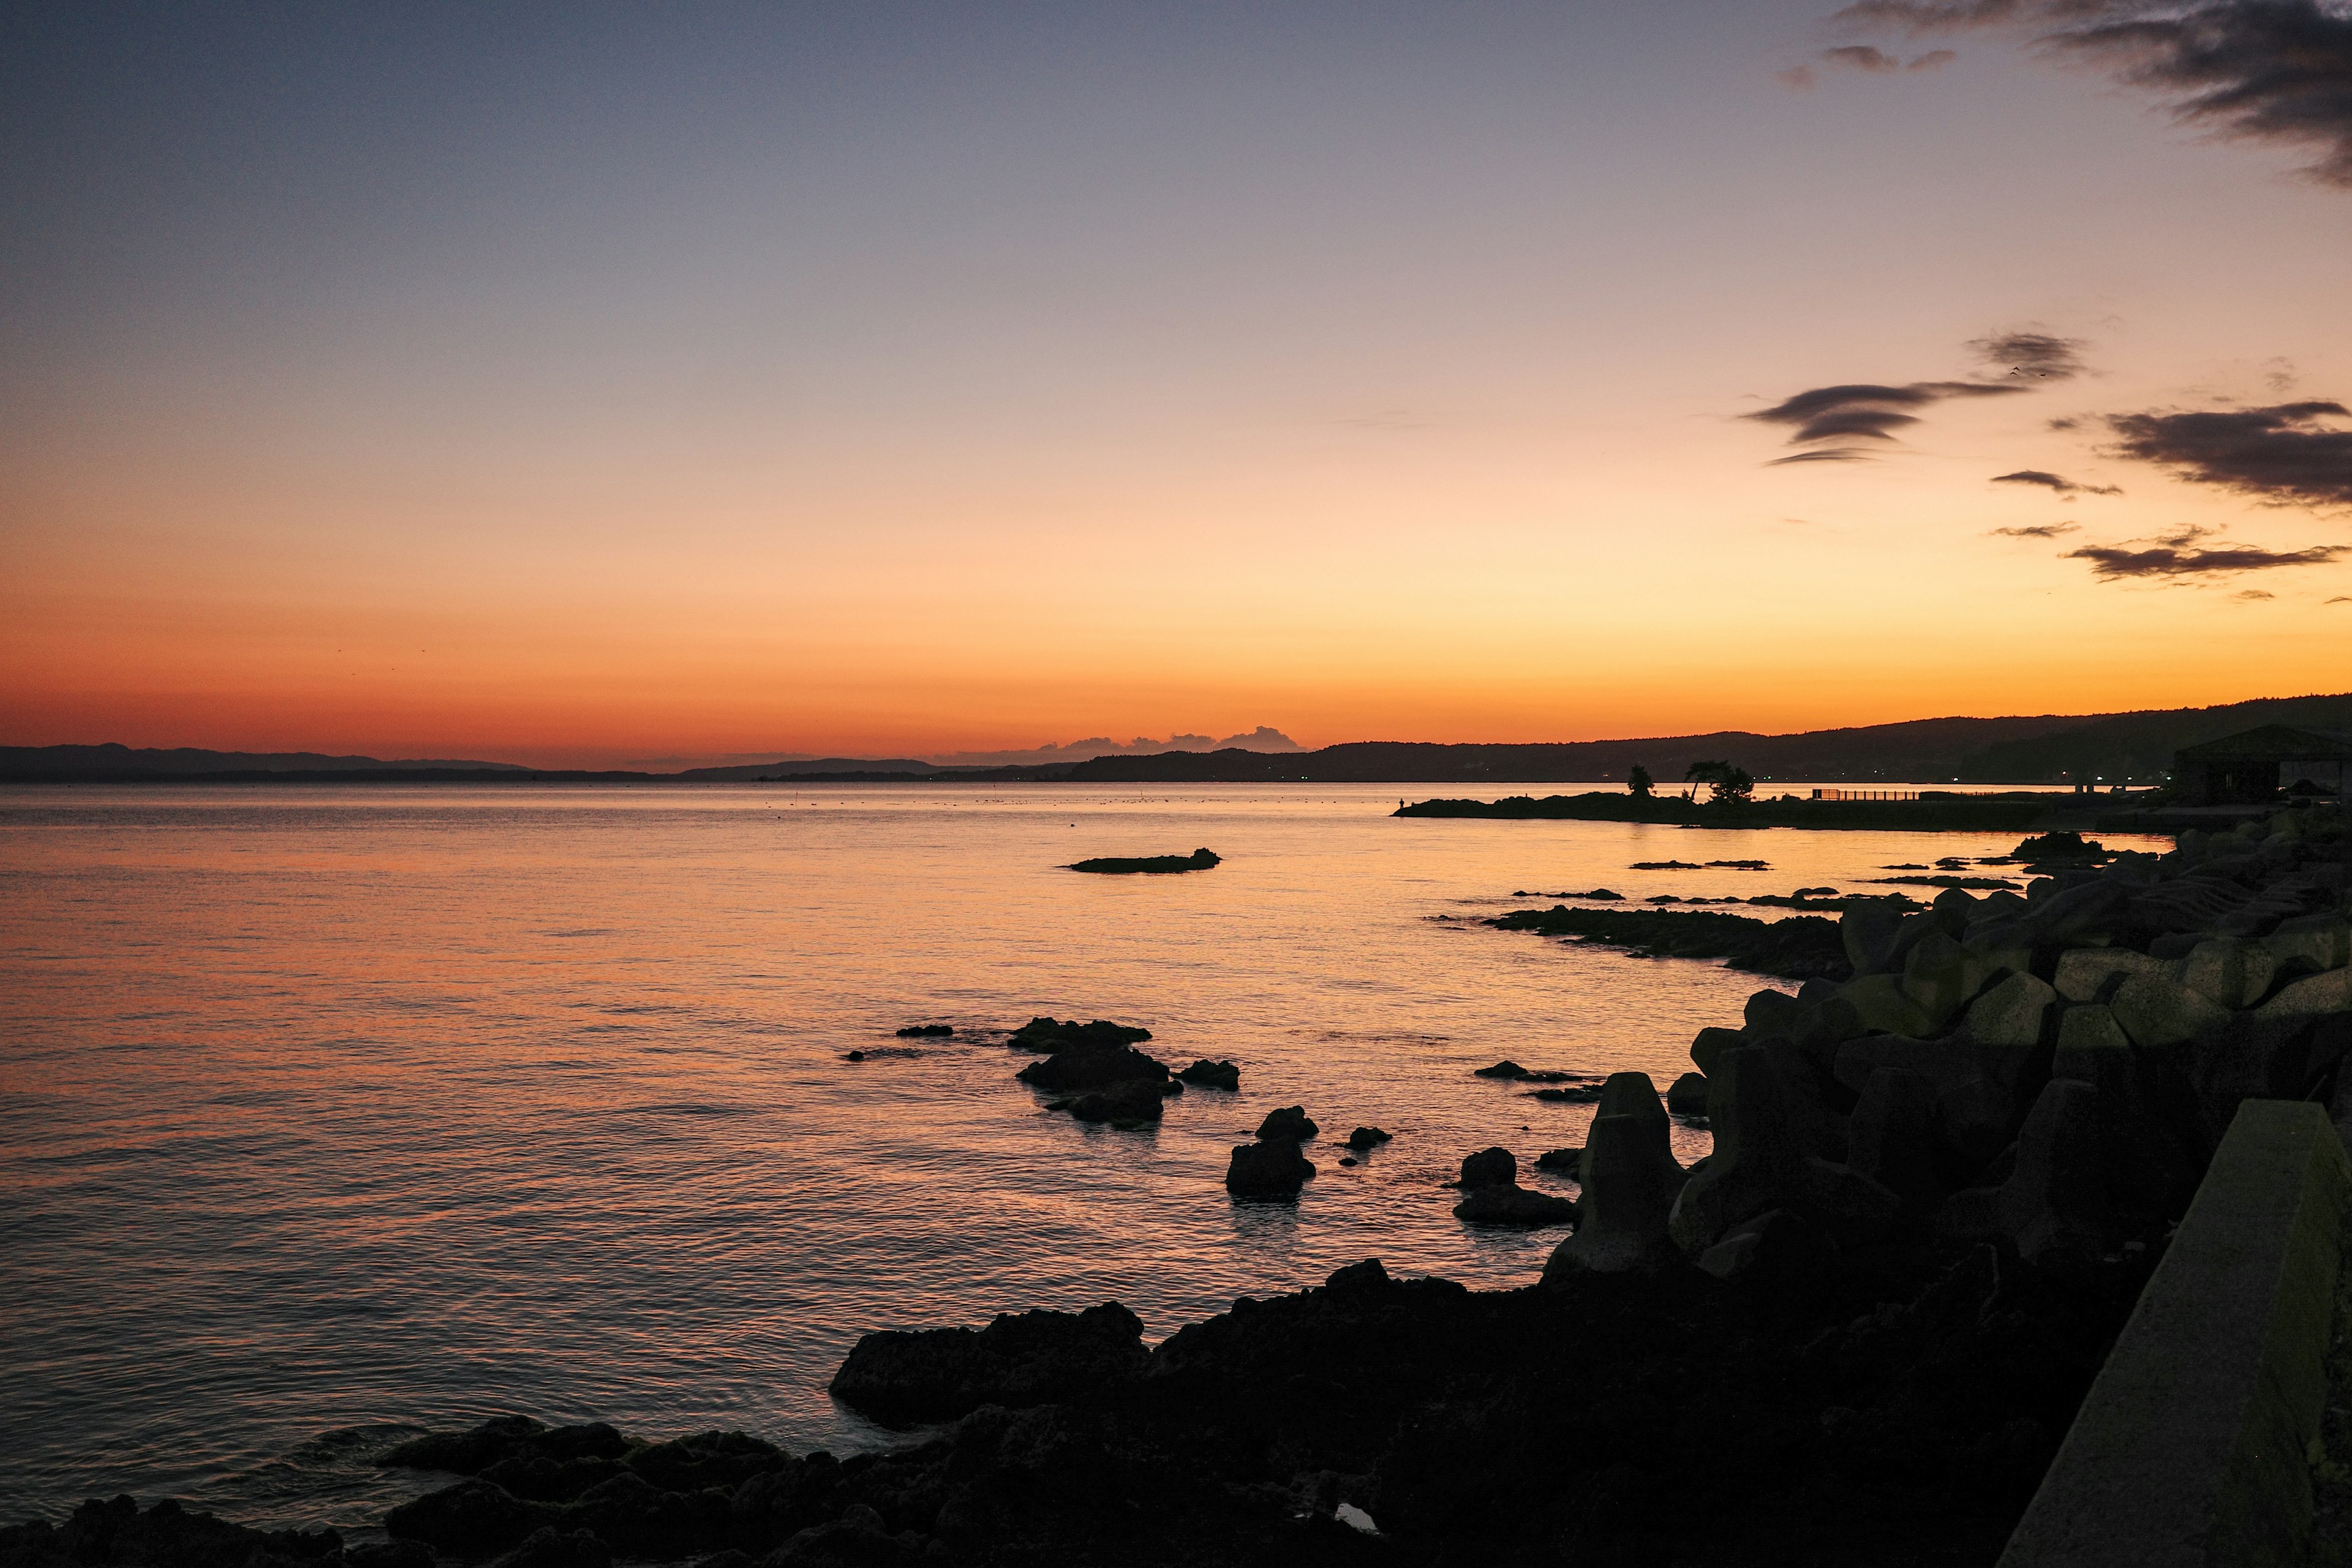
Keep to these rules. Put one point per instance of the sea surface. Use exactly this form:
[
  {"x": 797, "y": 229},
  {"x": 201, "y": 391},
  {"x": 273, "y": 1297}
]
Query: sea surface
[{"x": 329, "y": 1113}]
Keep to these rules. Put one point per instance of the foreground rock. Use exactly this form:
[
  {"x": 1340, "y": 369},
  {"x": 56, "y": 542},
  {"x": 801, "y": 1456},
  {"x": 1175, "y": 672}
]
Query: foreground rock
[
  {"x": 1117, "y": 866},
  {"x": 1658, "y": 1417},
  {"x": 1044, "y": 1034},
  {"x": 1138, "y": 1102},
  {"x": 901, "y": 1379}
]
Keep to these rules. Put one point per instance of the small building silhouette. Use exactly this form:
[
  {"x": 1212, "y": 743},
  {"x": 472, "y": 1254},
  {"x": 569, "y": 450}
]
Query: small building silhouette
[{"x": 2254, "y": 767}]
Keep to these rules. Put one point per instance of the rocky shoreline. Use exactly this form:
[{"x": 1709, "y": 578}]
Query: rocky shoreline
[{"x": 1851, "y": 1334}]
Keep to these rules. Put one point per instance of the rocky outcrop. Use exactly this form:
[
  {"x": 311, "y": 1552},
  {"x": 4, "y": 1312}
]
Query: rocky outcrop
[
  {"x": 1269, "y": 1168},
  {"x": 1289, "y": 1122},
  {"x": 1093, "y": 1064},
  {"x": 902, "y": 1379},
  {"x": 1137, "y": 1102},
  {"x": 1213, "y": 1075},
  {"x": 1148, "y": 865},
  {"x": 1629, "y": 1182},
  {"x": 1364, "y": 1138},
  {"x": 1045, "y": 1036}
]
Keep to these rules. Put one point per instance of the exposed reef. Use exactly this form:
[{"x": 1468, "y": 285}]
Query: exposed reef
[
  {"x": 1800, "y": 947},
  {"x": 1155, "y": 865}
]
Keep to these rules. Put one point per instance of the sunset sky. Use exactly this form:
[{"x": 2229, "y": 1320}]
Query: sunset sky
[{"x": 582, "y": 384}]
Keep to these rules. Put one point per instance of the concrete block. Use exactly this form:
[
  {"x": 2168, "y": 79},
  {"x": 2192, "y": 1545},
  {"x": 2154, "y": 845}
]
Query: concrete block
[{"x": 2191, "y": 1450}]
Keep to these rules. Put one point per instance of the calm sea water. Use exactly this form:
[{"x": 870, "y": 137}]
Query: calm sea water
[{"x": 324, "y": 1112}]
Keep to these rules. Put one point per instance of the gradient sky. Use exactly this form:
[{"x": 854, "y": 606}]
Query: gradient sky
[{"x": 577, "y": 384}]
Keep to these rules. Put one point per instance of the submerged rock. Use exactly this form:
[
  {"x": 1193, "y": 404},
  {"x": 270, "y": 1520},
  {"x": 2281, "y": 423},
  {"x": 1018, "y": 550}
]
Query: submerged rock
[
  {"x": 902, "y": 1378},
  {"x": 1364, "y": 1138},
  {"x": 1508, "y": 1203},
  {"x": 926, "y": 1031}
]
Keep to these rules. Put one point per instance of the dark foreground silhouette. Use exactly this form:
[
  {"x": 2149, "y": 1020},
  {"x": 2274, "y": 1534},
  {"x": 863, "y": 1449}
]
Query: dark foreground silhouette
[{"x": 1897, "y": 1408}]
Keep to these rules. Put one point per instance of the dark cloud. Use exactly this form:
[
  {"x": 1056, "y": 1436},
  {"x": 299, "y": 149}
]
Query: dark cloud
[
  {"x": 1864, "y": 411},
  {"x": 2339, "y": 599},
  {"x": 1934, "y": 60},
  {"x": 2252, "y": 594},
  {"x": 2266, "y": 70},
  {"x": 1825, "y": 455},
  {"x": 2032, "y": 356},
  {"x": 2112, "y": 563},
  {"x": 2035, "y": 530},
  {"x": 1861, "y": 57},
  {"x": 2282, "y": 453},
  {"x": 2068, "y": 423},
  {"x": 2050, "y": 481}
]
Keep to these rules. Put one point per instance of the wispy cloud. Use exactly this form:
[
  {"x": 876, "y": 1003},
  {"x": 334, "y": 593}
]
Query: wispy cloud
[
  {"x": 2281, "y": 454},
  {"x": 2035, "y": 530},
  {"x": 2263, "y": 70},
  {"x": 1863, "y": 411},
  {"x": 2250, "y": 593},
  {"x": 2114, "y": 563},
  {"x": 2049, "y": 481}
]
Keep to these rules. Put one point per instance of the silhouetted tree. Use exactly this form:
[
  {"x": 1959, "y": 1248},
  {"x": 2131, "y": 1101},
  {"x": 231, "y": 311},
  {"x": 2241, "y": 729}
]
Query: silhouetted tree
[
  {"x": 1726, "y": 784},
  {"x": 1640, "y": 783}
]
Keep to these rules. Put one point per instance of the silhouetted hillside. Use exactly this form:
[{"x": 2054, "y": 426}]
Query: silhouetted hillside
[
  {"x": 2140, "y": 745},
  {"x": 112, "y": 762}
]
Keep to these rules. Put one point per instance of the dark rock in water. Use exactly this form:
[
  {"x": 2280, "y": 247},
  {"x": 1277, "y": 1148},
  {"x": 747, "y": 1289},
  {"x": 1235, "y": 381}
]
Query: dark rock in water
[
  {"x": 1688, "y": 1095},
  {"x": 926, "y": 1031},
  {"x": 903, "y": 1378},
  {"x": 1798, "y": 948},
  {"x": 1366, "y": 1137},
  {"x": 1508, "y": 1203},
  {"x": 1118, "y": 865},
  {"x": 1493, "y": 1167},
  {"x": 472, "y": 1451},
  {"x": 1044, "y": 1034},
  {"x": 1273, "y": 1168},
  {"x": 1568, "y": 1160},
  {"x": 1575, "y": 1094},
  {"x": 2059, "y": 849},
  {"x": 1289, "y": 1122},
  {"x": 1093, "y": 1065},
  {"x": 853, "y": 1056},
  {"x": 550, "y": 1548},
  {"x": 1130, "y": 1104},
  {"x": 1349, "y": 1162},
  {"x": 472, "y": 1518},
  {"x": 1503, "y": 1068},
  {"x": 1213, "y": 1075}
]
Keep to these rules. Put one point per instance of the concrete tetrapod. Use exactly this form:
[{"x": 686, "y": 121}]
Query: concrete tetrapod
[
  {"x": 1627, "y": 1198},
  {"x": 1759, "y": 1162},
  {"x": 2056, "y": 1203},
  {"x": 1893, "y": 1137},
  {"x": 1633, "y": 1094}
]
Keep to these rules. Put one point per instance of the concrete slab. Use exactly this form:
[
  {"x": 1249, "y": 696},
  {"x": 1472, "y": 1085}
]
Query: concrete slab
[{"x": 2191, "y": 1447}]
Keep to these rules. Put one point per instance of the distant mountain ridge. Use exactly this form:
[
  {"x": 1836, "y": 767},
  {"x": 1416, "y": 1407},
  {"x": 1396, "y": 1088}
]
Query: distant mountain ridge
[
  {"x": 2042, "y": 749},
  {"x": 112, "y": 759}
]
